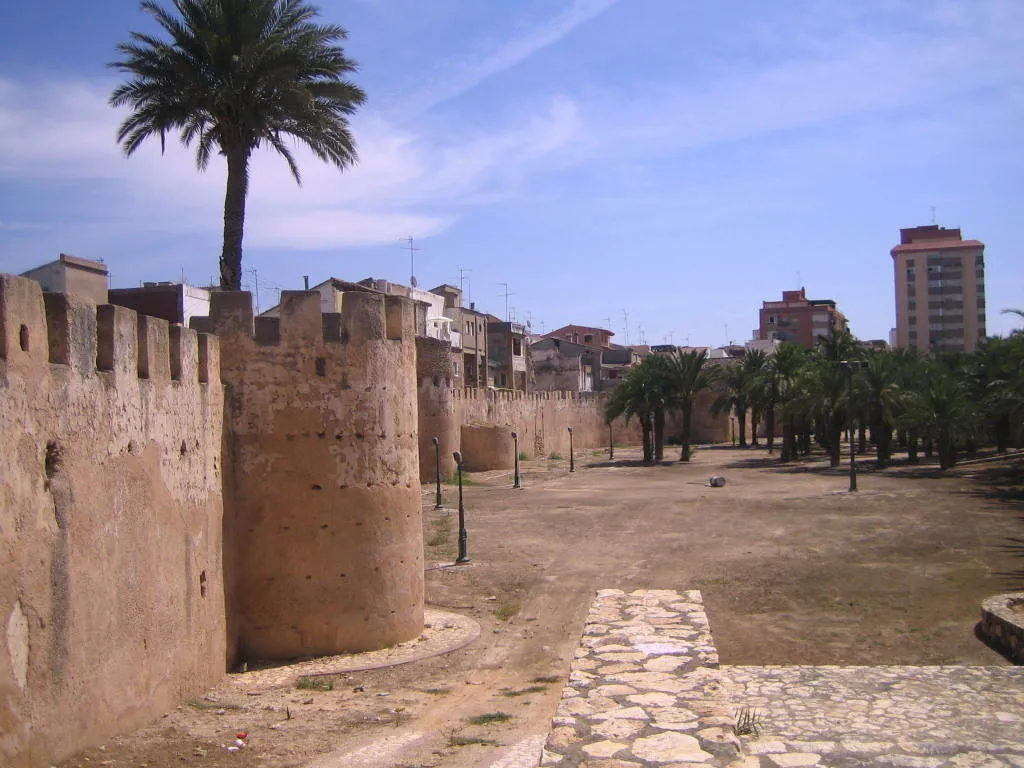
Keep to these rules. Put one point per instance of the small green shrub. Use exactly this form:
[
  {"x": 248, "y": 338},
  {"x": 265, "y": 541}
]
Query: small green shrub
[
  {"x": 315, "y": 683},
  {"x": 506, "y": 611},
  {"x": 524, "y": 456},
  {"x": 555, "y": 456},
  {"x": 525, "y": 691},
  {"x": 490, "y": 717},
  {"x": 546, "y": 679}
]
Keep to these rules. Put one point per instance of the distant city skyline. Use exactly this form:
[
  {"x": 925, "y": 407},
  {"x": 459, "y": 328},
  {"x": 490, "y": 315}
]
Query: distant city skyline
[{"x": 683, "y": 162}]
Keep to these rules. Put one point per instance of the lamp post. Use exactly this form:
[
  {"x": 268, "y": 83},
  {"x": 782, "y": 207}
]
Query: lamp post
[
  {"x": 437, "y": 471},
  {"x": 849, "y": 366},
  {"x": 515, "y": 475},
  {"x": 572, "y": 459},
  {"x": 463, "y": 536},
  {"x": 611, "y": 444}
]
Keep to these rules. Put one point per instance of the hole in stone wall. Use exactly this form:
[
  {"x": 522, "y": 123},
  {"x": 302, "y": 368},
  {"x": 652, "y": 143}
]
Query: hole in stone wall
[
  {"x": 317, "y": 487},
  {"x": 23, "y": 338},
  {"x": 183, "y": 450},
  {"x": 437, "y": 381},
  {"x": 54, "y": 459},
  {"x": 321, "y": 366},
  {"x": 202, "y": 584}
]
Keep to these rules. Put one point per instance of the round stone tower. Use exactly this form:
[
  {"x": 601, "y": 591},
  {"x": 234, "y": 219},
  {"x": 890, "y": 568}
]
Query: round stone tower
[
  {"x": 436, "y": 408},
  {"x": 323, "y": 538}
]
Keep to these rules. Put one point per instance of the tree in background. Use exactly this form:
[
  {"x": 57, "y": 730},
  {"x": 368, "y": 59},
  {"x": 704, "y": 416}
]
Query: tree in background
[
  {"x": 688, "y": 377},
  {"x": 237, "y": 75}
]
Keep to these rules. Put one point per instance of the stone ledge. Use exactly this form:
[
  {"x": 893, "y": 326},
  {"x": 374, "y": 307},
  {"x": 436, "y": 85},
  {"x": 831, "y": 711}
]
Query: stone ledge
[{"x": 1002, "y": 624}]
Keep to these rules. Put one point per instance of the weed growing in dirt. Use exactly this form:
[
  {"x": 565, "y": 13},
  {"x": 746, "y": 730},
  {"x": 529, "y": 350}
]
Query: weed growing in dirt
[
  {"x": 555, "y": 456},
  {"x": 748, "y": 722},
  {"x": 490, "y": 717},
  {"x": 315, "y": 683},
  {"x": 437, "y": 691},
  {"x": 550, "y": 679},
  {"x": 206, "y": 704},
  {"x": 466, "y": 479},
  {"x": 455, "y": 740},
  {"x": 506, "y": 611},
  {"x": 442, "y": 532},
  {"x": 525, "y": 691},
  {"x": 524, "y": 456}
]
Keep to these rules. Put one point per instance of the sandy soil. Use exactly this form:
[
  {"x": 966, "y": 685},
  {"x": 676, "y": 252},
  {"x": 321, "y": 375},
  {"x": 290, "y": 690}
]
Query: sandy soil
[{"x": 793, "y": 570}]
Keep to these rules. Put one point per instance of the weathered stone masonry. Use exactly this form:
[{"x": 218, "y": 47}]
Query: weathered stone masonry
[
  {"x": 111, "y": 599},
  {"x": 324, "y": 545}
]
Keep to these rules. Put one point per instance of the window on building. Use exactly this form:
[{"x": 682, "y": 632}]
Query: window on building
[
  {"x": 771, "y": 319},
  {"x": 517, "y": 347},
  {"x": 588, "y": 338},
  {"x": 455, "y": 368},
  {"x": 912, "y": 319}
]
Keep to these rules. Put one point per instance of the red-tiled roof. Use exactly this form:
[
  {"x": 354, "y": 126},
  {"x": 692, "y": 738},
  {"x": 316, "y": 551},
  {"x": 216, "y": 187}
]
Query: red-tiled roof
[{"x": 936, "y": 245}]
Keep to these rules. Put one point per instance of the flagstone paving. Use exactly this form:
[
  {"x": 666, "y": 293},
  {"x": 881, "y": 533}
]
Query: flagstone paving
[{"x": 646, "y": 689}]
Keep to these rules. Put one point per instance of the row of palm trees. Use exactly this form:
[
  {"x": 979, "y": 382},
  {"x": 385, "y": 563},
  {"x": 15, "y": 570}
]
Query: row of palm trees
[{"x": 944, "y": 405}]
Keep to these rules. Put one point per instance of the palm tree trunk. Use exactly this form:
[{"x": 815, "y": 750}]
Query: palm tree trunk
[
  {"x": 741, "y": 414},
  {"x": 755, "y": 422},
  {"x": 1002, "y": 430},
  {"x": 835, "y": 448},
  {"x": 234, "y": 219},
  {"x": 912, "y": 448},
  {"x": 862, "y": 438},
  {"x": 659, "y": 433},
  {"x": 787, "y": 440},
  {"x": 645, "y": 426},
  {"x": 769, "y": 428},
  {"x": 684, "y": 454},
  {"x": 882, "y": 435}
]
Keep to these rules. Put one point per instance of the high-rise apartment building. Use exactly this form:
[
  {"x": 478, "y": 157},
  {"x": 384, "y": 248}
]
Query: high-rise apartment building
[{"x": 940, "y": 290}]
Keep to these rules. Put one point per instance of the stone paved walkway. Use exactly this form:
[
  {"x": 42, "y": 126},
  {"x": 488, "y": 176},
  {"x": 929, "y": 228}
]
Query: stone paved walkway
[
  {"x": 645, "y": 689},
  {"x": 903, "y": 716}
]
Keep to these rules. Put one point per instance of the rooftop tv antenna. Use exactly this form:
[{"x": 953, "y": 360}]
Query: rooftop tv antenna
[
  {"x": 412, "y": 259},
  {"x": 625, "y": 316},
  {"x": 506, "y": 294}
]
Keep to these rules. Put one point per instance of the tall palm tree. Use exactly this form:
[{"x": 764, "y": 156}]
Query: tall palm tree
[
  {"x": 236, "y": 75},
  {"x": 637, "y": 395},
  {"x": 786, "y": 371},
  {"x": 733, "y": 397},
  {"x": 689, "y": 377},
  {"x": 753, "y": 363},
  {"x": 943, "y": 410}
]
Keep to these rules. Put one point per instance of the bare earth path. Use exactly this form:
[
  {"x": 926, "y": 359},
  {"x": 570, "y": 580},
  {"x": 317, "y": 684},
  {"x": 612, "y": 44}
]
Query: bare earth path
[{"x": 792, "y": 570}]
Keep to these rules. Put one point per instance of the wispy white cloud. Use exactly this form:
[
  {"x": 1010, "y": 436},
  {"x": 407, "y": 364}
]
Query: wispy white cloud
[{"x": 464, "y": 75}]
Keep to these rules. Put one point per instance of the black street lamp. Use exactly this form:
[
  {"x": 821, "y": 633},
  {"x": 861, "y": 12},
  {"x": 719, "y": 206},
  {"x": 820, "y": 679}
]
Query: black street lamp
[
  {"x": 849, "y": 366},
  {"x": 611, "y": 444},
  {"x": 515, "y": 475},
  {"x": 572, "y": 459},
  {"x": 437, "y": 465},
  {"x": 463, "y": 536}
]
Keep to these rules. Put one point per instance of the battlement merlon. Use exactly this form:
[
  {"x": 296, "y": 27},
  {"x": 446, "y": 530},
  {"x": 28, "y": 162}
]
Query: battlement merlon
[
  {"x": 364, "y": 317},
  {"x": 38, "y": 329}
]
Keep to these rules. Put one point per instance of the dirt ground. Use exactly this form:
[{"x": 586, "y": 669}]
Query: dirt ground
[{"x": 793, "y": 569}]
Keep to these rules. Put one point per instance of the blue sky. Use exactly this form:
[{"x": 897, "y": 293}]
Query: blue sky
[{"x": 675, "y": 160}]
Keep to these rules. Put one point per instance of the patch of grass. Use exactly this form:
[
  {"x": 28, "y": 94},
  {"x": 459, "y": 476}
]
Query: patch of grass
[
  {"x": 524, "y": 456},
  {"x": 204, "y": 704},
  {"x": 315, "y": 683},
  {"x": 506, "y": 611},
  {"x": 600, "y": 452},
  {"x": 442, "y": 532},
  {"x": 526, "y": 691},
  {"x": 455, "y": 740},
  {"x": 555, "y": 456},
  {"x": 550, "y": 679},
  {"x": 489, "y": 718},
  {"x": 748, "y": 722},
  {"x": 467, "y": 479},
  {"x": 437, "y": 691}
]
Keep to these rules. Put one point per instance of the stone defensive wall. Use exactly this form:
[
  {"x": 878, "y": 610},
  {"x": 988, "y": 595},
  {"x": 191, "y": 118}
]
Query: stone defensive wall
[
  {"x": 111, "y": 586},
  {"x": 541, "y": 420},
  {"x": 324, "y": 545}
]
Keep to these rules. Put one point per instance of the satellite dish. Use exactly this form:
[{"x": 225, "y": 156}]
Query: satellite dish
[{"x": 412, "y": 281}]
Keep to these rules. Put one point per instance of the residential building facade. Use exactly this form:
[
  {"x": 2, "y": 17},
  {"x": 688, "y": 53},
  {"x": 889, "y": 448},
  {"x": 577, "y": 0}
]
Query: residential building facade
[
  {"x": 561, "y": 366},
  {"x": 799, "y": 320},
  {"x": 84, "y": 278},
  {"x": 173, "y": 302},
  {"x": 507, "y": 355},
  {"x": 471, "y": 327},
  {"x": 940, "y": 290}
]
